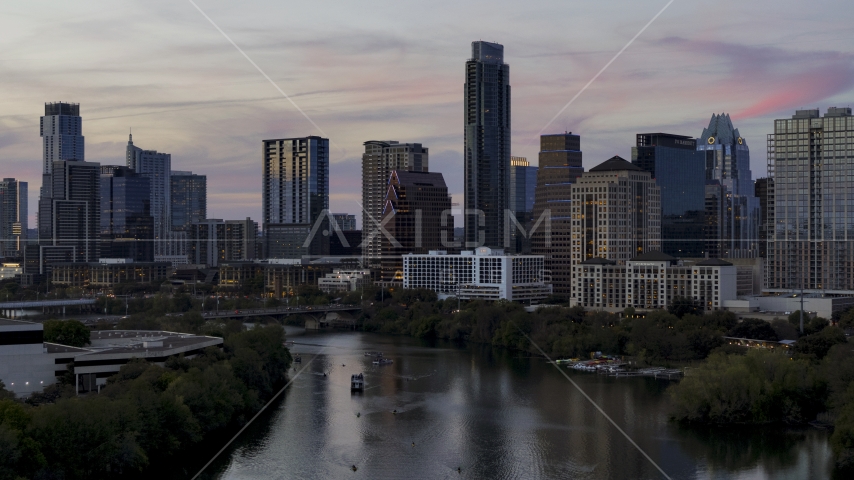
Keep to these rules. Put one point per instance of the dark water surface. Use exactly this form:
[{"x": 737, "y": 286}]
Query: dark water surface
[{"x": 491, "y": 414}]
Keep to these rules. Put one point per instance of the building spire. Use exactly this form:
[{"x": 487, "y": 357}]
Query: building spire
[{"x": 130, "y": 136}]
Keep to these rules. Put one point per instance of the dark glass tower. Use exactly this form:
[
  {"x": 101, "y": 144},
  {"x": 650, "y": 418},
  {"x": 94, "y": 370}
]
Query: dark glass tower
[
  {"x": 560, "y": 167},
  {"x": 127, "y": 227},
  {"x": 523, "y": 184},
  {"x": 487, "y": 145},
  {"x": 680, "y": 171}
]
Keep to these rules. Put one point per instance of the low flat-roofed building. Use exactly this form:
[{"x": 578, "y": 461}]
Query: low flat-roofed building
[
  {"x": 483, "y": 274},
  {"x": 108, "y": 273},
  {"x": 344, "y": 281},
  {"x": 10, "y": 270}
]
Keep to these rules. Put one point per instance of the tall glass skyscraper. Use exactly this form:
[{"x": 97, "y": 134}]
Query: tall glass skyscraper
[
  {"x": 295, "y": 196},
  {"x": 810, "y": 203},
  {"x": 61, "y": 129},
  {"x": 157, "y": 167},
  {"x": 189, "y": 195},
  {"x": 523, "y": 184},
  {"x": 679, "y": 170},
  {"x": 560, "y": 167},
  {"x": 487, "y": 145},
  {"x": 728, "y": 163},
  {"x": 127, "y": 227},
  {"x": 13, "y": 217}
]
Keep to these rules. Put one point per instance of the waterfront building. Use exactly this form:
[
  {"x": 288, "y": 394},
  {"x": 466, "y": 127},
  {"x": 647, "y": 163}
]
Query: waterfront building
[
  {"x": 295, "y": 196},
  {"x": 378, "y": 161},
  {"x": 127, "y": 227},
  {"x": 481, "y": 274},
  {"x": 13, "y": 217},
  {"x": 108, "y": 272},
  {"x": 344, "y": 281},
  {"x": 486, "y": 150},
  {"x": 523, "y": 185},
  {"x": 157, "y": 167},
  {"x": 69, "y": 216},
  {"x": 61, "y": 129},
  {"x": 679, "y": 170},
  {"x": 551, "y": 225},
  {"x": 728, "y": 163},
  {"x": 415, "y": 203},
  {"x": 616, "y": 213},
  {"x": 652, "y": 280},
  {"x": 810, "y": 203}
]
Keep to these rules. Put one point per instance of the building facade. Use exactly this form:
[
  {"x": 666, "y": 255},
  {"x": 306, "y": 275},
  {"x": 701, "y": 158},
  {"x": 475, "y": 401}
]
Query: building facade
[
  {"x": 486, "y": 150},
  {"x": 61, "y": 129},
  {"x": 551, "y": 227},
  {"x": 157, "y": 167},
  {"x": 295, "y": 196},
  {"x": 523, "y": 185},
  {"x": 760, "y": 186},
  {"x": 415, "y": 203},
  {"x": 679, "y": 170},
  {"x": 378, "y": 161},
  {"x": 616, "y": 213},
  {"x": 127, "y": 227},
  {"x": 214, "y": 241},
  {"x": 728, "y": 164},
  {"x": 188, "y": 193},
  {"x": 651, "y": 281},
  {"x": 344, "y": 281},
  {"x": 481, "y": 274},
  {"x": 69, "y": 215},
  {"x": 13, "y": 217},
  {"x": 811, "y": 203},
  {"x": 345, "y": 221}
]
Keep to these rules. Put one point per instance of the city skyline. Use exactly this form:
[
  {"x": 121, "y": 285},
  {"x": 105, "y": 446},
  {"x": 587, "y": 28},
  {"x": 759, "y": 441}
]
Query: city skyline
[{"x": 687, "y": 66}]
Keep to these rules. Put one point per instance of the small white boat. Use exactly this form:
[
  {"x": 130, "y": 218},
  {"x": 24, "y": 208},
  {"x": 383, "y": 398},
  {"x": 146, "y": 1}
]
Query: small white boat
[
  {"x": 357, "y": 382},
  {"x": 383, "y": 361}
]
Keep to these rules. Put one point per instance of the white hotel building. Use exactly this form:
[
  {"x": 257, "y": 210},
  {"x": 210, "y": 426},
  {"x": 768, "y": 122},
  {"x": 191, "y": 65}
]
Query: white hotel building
[{"x": 484, "y": 274}]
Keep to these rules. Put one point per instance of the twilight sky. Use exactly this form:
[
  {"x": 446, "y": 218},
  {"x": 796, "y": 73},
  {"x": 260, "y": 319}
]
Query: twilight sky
[{"x": 394, "y": 70}]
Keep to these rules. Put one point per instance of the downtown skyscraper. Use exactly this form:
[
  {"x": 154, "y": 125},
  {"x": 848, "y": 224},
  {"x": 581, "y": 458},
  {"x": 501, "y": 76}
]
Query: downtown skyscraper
[
  {"x": 486, "y": 149},
  {"x": 295, "y": 196},
  {"x": 157, "y": 167},
  {"x": 732, "y": 212},
  {"x": 61, "y": 129},
  {"x": 13, "y": 217},
  {"x": 127, "y": 227},
  {"x": 810, "y": 203},
  {"x": 379, "y": 160}
]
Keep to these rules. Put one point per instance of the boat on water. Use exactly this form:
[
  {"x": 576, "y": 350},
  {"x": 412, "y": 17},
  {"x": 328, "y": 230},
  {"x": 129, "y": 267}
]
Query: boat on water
[
  {"x": 373, "y": 354},
  {"x": 357, "y": 382},
  {"x": 383, "y": 361},
  {"x": 297, "y": 359}
]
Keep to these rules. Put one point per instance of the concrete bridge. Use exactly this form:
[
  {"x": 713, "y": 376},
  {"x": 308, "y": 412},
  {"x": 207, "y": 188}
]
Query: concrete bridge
[
  {"x": 319, "y": 315},
  {"x": 15, "y": 309}
]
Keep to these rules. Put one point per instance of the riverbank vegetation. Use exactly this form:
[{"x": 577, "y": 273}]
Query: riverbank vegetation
[{"x": 147, "y": 415}]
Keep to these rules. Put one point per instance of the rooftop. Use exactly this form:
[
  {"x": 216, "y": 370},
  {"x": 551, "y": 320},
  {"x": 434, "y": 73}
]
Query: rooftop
[
  {"x": 714, "y": 262},
  {"x": 616, "y": 164},
  {"x": 654, "y": 256}
]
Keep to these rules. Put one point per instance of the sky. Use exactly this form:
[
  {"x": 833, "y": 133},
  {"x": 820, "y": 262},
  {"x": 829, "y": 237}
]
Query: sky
[{"x": 394, "y": 70}]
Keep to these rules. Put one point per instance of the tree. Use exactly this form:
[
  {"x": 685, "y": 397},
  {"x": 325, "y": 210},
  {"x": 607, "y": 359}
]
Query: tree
[
  {"x": 681, "y": 306},
  {"x": 754, "y": 328},
  {"x": 818, "y": 344},
  {"x": 66, "y": 332}
]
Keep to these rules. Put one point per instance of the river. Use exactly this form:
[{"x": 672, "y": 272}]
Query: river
[{"x": 476, "y": 412}]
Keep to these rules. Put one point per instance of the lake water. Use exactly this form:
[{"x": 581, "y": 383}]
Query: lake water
[{"x": 476, "y": 412}]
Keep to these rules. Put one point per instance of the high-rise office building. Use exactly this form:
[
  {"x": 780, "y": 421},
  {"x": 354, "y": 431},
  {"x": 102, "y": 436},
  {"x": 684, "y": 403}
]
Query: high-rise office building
[
  {"x": 345, "y": 221},
  {"x": 616, "y": 213},
  {"x": 728, "y": 163},
  {"x": 13, "y": 217},
  {"x": 69, "y": 214},
  {"x": 414, "y": 205},
  {"x": 378, "y": 161},
  {"x": 760, "y": 186},
  {"x": 551, "y": 226},
  {"x": 127, "y": 227},
  {"x": 486, "y": 152},
  {"x": 61, "y": 129},
  {"x": 811, "y": 202},
  {"x": 189, "y": 195},
  {"x": 213, "y": 241},
  {"x": 523, "y": 184},
  {"x": 157, "y": 167},
  {"x": 679, "y": 170},
  {"x": 295, "y": 193}
]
